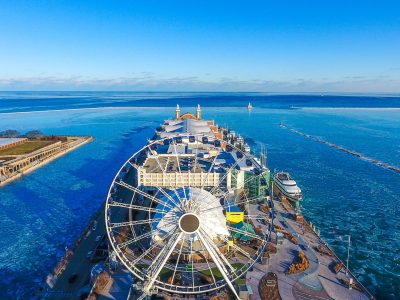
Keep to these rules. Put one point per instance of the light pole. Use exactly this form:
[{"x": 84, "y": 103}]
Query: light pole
[
  {"x": 347, "y": 263},
  {"x": 348, "y": 254}
]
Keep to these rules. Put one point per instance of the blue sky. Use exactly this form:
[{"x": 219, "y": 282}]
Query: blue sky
[{"x": 268, "y": 46}]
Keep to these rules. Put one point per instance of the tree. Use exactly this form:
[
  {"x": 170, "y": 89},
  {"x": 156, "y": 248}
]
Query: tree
[
  {"x": 9, "y": 133},
  {"x": 101, "y": 281},
  {"x": 33, "y": 133}
]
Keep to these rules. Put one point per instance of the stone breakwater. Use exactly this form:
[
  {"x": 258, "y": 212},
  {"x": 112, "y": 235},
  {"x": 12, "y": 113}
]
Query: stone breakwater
[{"x": 348, "y": 151}]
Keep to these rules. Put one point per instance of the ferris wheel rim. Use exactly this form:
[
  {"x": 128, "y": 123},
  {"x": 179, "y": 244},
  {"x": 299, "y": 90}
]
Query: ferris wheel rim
[{"x": 217, "y": 284}]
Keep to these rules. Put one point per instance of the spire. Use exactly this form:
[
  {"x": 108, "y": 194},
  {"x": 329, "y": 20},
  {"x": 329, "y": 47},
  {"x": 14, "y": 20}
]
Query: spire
[
  {"x": 198, "y": 112},
  {"x": 177, "y": 112}
]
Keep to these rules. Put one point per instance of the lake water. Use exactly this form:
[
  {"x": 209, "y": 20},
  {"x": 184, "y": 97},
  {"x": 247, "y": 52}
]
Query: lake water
[{"x": 47, "y": 210}]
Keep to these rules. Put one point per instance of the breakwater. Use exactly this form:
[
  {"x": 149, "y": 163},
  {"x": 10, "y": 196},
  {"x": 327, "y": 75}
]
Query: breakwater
[{"x": 340, "y": 148}]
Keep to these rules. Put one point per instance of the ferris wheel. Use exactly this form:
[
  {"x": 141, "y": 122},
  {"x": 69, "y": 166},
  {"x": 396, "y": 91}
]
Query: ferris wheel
[{"x": 186, "y": 224}]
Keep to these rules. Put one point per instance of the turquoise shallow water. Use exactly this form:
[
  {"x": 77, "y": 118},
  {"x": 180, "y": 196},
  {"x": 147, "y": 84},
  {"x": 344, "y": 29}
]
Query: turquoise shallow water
[{"x": 45, "y": 211}]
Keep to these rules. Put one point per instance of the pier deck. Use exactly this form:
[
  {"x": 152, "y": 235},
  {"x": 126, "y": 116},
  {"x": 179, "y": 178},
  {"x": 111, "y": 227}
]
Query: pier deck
[{"x": 318, "y": 281}]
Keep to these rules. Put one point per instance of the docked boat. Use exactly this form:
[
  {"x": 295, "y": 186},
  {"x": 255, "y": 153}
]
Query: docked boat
[{"x": 288, "y": 187}]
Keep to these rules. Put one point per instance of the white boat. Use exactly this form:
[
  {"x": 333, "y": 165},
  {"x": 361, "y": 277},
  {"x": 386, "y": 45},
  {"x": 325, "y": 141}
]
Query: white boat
[{"x": 287, "y": 186}]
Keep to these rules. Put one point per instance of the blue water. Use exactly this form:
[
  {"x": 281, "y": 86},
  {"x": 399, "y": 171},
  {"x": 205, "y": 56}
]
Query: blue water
[{"x": 46, "y": 210}]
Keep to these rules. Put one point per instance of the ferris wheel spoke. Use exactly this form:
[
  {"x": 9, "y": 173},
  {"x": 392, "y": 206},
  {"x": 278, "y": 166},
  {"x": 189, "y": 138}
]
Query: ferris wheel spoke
[
  {"x": 248, "y": 200},
  {"x": 217, "y": 262},
  {"x": 160, "y": 253},
  {"x": 243, "y": 184},
  {"x": 191, "y": 258},
  {"x": 144, "y": 194},
  {"x": 234, "y": 203},
  {"x": 162, "y": 169},
  {"x": 254, "y": 217},
  {"x": 183, "y": 203},
  {"x": 136, "y": 239},
  {"x": 225, "y": 195},
  {"x": 179, "y": 206},
  {"x": 157, "y": 265},
  {"x": 180, "y": 173},
  {"x": 151, "y": 248},
  {"x": 177, "y": 262},
  {"x": 245, "y": 253},
  {"x": 196, "y": 205},
  {"x": 196, "y": 157},
  {"x": 219, "y": 253},
  {"x": 137, "y": 207},
  {"x": 133, "y": 223},
  {"x": 208, "y": 263},
  {"x": 210, "y": 168},
  {"x": 227, "y": 172},
  {"x": 139, "y": 237},
  {"x": 133, "y": 237},
  {"x": 162, "y": 190}
]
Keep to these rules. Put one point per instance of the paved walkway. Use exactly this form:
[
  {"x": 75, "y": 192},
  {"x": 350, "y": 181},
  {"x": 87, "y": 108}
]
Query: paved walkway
[
  {"x": 318, "y": 281},
  {"x": 118, "y": 287}
]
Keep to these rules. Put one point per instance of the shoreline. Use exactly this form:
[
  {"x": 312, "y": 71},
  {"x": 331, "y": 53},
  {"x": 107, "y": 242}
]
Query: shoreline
[
  {"x": 49, "y": 288},
  {"x": 46, "y": 161}
]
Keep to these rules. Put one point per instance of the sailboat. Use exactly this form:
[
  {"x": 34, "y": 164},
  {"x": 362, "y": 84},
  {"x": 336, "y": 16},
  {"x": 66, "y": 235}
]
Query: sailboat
[{"x": 249, "y": 106}]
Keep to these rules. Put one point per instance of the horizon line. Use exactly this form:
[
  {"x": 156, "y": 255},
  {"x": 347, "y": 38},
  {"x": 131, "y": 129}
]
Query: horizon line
[{"x": 318, "y": 93}]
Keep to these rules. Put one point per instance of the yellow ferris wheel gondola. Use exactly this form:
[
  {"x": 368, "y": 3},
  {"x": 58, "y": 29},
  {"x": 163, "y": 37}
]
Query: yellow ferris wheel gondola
[{"x": 234, "y": 215}]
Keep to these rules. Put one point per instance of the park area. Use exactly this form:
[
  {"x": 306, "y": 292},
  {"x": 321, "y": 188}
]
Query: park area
[{"x": 25, "y": 148}]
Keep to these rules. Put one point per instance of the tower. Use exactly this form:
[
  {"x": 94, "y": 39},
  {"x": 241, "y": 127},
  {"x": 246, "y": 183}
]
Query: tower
[
  {"x": 177, "y": 112},
  {"x": 198, "y": 112}
]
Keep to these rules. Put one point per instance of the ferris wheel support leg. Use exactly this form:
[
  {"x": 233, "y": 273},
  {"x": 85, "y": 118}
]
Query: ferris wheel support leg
[
  {"x": 160, "y": 262},
  {"x": 218, "y": 263}
]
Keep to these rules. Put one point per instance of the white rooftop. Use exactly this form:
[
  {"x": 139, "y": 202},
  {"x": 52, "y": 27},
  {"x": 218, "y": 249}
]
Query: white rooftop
[
  {"x": 8, "y": 141},
  {"x": 173, "y": 127}
]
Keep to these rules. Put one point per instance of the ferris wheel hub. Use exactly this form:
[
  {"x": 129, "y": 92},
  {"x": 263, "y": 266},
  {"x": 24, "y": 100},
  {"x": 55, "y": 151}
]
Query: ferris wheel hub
[{"x": 189, "y": 223}]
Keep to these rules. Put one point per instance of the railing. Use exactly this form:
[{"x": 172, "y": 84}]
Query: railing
[{"x": 363, "y": 288}]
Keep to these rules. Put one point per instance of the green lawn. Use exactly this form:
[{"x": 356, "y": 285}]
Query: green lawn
[
  {"x": 217, "y": 273},
  {"x": 165, "y": 273},
  {"x": 25, "y": 148}
]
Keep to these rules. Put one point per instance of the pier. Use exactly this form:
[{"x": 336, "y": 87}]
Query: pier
[
  {"x": 16, "y": 162},
  {"x": 340, "y": 148},
  {"x": 245, "y": 242}
]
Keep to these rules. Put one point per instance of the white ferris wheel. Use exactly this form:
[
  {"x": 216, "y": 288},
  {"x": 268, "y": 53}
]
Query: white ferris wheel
[{"x": 178, "y": 238}]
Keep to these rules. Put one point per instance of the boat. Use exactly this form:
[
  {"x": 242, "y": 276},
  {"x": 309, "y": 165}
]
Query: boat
[
  {"x": 288, "y": 187},
  {"x": 249, "y": 106}
]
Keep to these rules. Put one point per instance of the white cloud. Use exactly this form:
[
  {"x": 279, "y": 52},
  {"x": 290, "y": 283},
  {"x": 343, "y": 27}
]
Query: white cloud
[{"x": 149, "y": 82}]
